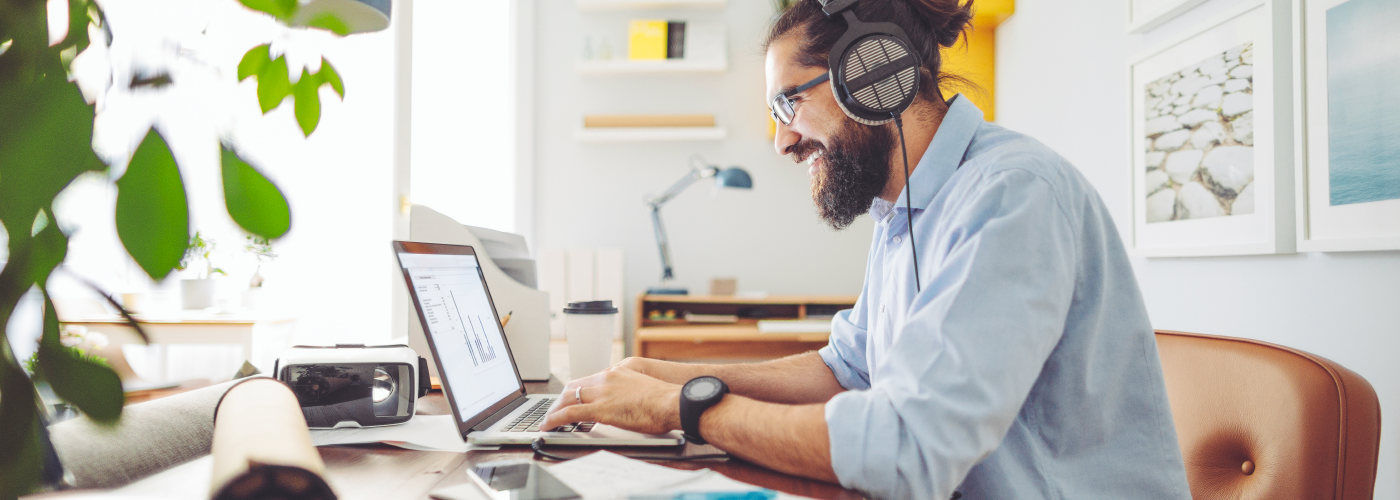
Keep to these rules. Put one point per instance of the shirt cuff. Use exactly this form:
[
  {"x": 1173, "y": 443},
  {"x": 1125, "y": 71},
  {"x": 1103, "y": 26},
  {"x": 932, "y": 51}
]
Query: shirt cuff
[
  {"x": 845, "y": 376},
  {"x": 864, "y": 444}
]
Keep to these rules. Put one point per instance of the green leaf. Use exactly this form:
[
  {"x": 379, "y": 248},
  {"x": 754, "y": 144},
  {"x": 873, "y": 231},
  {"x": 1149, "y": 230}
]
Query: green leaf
[
  {"x": 45, "y": 143},
  {"x": 308, "y": 102},
  {"x": 329, "y": 75},
  {"x": 254, "y": 61},
  {"x": 253, "y": 201},
  {"x": 90, "y": 385},
  {"x": 19, "y": 470},
  {"x": 49, "y": 247},
  {"x": 153, "y": 219},
  {"x": 329, "y": 22},
  {"x": 274, "y": 84},
  {"x": 280, "y": 9}
]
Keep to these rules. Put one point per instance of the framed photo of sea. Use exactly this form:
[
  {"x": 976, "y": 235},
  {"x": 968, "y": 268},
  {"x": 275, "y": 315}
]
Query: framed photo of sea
[
  {"x": 1348, "y": 131},
  {"x": 1210, "y": 126},
  {"x": 1143, "y": 15}
]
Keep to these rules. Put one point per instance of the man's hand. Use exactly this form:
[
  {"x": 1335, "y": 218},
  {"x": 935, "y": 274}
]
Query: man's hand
[
  {"x": 668, "y": 371},
  {"x": 620, "y": 397}
]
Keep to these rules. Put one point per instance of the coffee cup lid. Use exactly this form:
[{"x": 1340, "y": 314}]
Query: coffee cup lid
[{"x": 591, "y": 307}]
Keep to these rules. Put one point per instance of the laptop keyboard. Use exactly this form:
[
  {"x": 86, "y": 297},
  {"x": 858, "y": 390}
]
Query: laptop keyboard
[{"x": 530, "y": 420}]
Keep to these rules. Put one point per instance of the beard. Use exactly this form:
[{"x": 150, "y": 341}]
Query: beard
[{"x": 854, "y": 170}]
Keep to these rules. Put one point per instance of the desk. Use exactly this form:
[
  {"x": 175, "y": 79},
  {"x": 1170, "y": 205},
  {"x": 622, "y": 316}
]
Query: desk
[
  {"x": 681, "y": 340},
  {"x": 380, "y": 471}
]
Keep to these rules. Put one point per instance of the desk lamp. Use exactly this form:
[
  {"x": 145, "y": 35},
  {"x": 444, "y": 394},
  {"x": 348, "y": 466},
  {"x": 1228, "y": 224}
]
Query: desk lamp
[{"x": 732, "y": 177}]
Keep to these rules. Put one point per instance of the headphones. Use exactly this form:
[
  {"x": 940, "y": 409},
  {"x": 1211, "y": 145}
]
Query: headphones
[
  {"x": 874, "y": 76},
  {"x": 874, "y": 67}
]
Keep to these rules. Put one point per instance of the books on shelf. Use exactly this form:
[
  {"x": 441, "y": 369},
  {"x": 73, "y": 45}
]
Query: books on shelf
[
  {"x": 646, "y": 39},
  {"x": 795, "y": 325},
  {"x": 711, "y": 318}
]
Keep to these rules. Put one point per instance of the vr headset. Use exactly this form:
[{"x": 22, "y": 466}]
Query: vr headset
[{"x": 354, "y": 385}]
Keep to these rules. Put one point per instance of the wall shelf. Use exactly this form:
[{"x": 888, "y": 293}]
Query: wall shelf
[
  {"x": 646, "y": 134},
  {"x": 661, "y": 66},
  {"x": 607, "y": 5}
]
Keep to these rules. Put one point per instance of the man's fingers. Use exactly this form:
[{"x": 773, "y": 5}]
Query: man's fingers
[{"x": 569, "y": 415}]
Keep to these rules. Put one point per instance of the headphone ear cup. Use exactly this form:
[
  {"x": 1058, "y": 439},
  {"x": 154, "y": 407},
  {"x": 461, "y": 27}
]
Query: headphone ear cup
[{"x": 875, "y": 77}]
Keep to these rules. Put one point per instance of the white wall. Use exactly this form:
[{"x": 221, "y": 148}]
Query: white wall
[
  {"x": 590, "y": 194},
  {"x": 1061, "y": 78}
]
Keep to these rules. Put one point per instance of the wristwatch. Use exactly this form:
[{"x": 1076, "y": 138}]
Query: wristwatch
[{"x": 698, "y": 395}]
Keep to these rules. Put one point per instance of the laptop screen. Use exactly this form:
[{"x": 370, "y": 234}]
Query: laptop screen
[{"x": 465, "y": 334}]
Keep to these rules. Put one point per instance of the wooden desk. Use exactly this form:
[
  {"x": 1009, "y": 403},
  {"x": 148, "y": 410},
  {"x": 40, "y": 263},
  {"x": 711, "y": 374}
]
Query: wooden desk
[
  {"x": 681, "y": 340},
  {"x": 382, "y": 472}
]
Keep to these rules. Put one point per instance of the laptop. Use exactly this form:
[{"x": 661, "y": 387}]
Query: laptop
[{"x": 479, "y": 376}]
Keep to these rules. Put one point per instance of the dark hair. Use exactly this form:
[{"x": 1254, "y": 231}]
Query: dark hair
[{"x": 929, "y": 24}]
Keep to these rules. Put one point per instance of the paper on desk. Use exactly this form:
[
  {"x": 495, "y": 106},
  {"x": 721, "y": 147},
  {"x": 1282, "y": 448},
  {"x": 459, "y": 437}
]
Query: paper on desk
[
  {"x": 609, "y": 476},
  {"x": 422, "y": 432}
]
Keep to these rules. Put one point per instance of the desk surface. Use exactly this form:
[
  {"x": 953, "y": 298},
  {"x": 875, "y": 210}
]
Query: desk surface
[{"x": 382, "y": 471}]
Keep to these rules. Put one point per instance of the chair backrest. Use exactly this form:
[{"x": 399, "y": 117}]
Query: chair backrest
[{"x": 1257, "y": 420}]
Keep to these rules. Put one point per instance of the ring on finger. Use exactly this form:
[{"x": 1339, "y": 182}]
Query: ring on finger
[{"x": 578, "y": 395}]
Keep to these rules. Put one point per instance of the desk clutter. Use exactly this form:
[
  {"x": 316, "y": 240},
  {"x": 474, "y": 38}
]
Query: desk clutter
[{"x": 733, "y": 328}]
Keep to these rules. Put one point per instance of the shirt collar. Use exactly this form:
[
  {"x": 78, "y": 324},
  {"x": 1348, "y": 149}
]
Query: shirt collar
[{"x": 946, "y": 152}]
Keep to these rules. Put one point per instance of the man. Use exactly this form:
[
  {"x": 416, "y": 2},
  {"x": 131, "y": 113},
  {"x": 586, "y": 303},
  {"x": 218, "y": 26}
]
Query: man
[{"x": 1025, "y": 367}]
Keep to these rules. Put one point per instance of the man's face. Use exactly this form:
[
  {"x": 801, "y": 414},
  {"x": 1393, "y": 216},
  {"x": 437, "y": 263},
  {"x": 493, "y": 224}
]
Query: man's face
[{"x": 849, "y": 162}]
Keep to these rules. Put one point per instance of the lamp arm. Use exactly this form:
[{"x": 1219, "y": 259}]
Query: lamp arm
[
  {"x": 662, "y": 245},
  {"x": 685, "y": 182}
]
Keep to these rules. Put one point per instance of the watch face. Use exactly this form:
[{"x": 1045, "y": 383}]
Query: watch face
[{"x": 701, "y": 389}]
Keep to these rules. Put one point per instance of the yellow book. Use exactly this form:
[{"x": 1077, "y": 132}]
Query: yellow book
[{"x": 646, "y": 39}]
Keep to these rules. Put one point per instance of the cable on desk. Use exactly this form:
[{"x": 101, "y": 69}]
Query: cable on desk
[{"x": 538, "y": 446}]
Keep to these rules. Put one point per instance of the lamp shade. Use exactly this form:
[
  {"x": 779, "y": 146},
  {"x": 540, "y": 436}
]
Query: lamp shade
[
  {"x": 733, "y": 177},
  {"x": 360, "y": 16}
]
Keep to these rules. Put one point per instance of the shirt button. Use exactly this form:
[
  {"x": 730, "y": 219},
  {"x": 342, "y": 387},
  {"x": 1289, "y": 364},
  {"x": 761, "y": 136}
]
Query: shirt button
[
  {"x": 882, "y": 308},
  {"x": 896, "y": 240}
]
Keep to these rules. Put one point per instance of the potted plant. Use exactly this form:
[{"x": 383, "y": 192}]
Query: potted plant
[
  {"x": 77, "y": 342},
  {"x": 46, "y": 141},
  {"x": 261, "y": 249},
  {"x": 198, "y": 293}
]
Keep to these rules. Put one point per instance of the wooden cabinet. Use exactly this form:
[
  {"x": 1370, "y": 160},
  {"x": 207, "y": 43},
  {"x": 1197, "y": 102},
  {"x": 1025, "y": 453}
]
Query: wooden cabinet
[{"x": 726, "y": 328}]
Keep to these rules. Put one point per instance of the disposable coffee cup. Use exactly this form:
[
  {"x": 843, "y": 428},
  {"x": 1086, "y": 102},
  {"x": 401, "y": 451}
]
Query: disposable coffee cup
[{"x": 589, "y": 328}]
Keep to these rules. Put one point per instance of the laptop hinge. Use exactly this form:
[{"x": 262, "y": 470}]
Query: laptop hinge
[{"x": 500, "y": 414}]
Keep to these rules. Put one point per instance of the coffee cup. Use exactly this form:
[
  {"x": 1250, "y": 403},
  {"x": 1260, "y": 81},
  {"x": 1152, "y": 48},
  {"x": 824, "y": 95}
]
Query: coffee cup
[{"x": 588, "y": 326}]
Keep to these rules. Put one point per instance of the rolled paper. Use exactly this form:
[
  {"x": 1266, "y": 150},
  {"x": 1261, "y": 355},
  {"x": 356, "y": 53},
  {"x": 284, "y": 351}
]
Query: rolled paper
[{"x": 262, "y": 446}]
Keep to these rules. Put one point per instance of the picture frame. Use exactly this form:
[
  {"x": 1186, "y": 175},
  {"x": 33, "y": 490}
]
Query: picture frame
[
  {"x": 1355, "y": 207},
  {"x": 1144, "y": 15},
  {"x": 1211, "y": 138}
]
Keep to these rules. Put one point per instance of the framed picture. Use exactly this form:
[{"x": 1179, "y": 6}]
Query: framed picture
[
  {"x": 1348, "y": 127},
  {"x": 1144, "y": 15},
  {"x": 1211, "y": 138}
]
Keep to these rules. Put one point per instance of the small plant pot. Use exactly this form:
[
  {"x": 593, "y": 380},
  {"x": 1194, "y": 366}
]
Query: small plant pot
[{"x": 197, "y": 294}]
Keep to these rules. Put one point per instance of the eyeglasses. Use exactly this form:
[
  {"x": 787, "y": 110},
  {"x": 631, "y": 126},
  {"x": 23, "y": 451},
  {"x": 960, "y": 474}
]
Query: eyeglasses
[{"x": 782, "y": 106}]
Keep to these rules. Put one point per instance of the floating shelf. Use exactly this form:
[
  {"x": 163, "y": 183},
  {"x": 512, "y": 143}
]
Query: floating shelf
[
  {"x": 644, "y": 134},
  {"x": 605, "y": 5},
  {"x": 660, "y": 66}
]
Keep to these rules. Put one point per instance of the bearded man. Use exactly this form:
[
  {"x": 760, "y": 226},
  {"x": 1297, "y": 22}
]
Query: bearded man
[{"x": 1018, "y": 363}]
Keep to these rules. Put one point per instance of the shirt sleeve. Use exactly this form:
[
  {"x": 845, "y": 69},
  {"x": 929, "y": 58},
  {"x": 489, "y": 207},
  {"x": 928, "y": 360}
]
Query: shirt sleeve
[
  {"x": 845, "y": 351},
  {"x": 959, "y": 370}
]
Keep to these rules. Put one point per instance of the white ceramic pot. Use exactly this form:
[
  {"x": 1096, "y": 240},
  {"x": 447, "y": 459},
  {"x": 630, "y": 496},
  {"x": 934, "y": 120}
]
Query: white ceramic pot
[{"x": 197, "y": 294}]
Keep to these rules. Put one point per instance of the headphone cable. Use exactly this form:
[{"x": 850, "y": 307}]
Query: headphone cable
[
  {"x": 538, "y": 446},
  {"x": 908, "y": 209}
]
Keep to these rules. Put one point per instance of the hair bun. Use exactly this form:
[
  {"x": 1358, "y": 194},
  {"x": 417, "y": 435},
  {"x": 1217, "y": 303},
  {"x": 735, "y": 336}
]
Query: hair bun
[{"x": 949, "y": 18}]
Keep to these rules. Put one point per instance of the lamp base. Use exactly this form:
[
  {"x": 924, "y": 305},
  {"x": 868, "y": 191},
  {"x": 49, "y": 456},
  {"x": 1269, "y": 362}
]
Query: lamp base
[{"x": 667, "y": 291}]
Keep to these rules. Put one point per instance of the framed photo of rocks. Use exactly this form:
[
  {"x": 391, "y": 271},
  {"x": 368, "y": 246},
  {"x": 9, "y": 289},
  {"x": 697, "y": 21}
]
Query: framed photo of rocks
[
  {"x": 1143, "y": 15},
  {"x": 1211, "y": 138},
  {"x": 1348, "y": 127}
]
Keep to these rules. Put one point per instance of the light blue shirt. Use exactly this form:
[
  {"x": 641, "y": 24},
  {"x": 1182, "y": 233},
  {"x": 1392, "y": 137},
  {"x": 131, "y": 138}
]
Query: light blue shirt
[{"x": 1026, "y": 368}]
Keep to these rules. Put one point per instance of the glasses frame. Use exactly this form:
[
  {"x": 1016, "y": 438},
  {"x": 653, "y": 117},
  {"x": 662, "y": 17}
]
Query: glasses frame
[{"x": 784, "y": 102}]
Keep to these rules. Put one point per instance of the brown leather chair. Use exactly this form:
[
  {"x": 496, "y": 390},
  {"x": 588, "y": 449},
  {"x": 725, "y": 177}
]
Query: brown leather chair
[{"x": 1258, "y": 420}]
